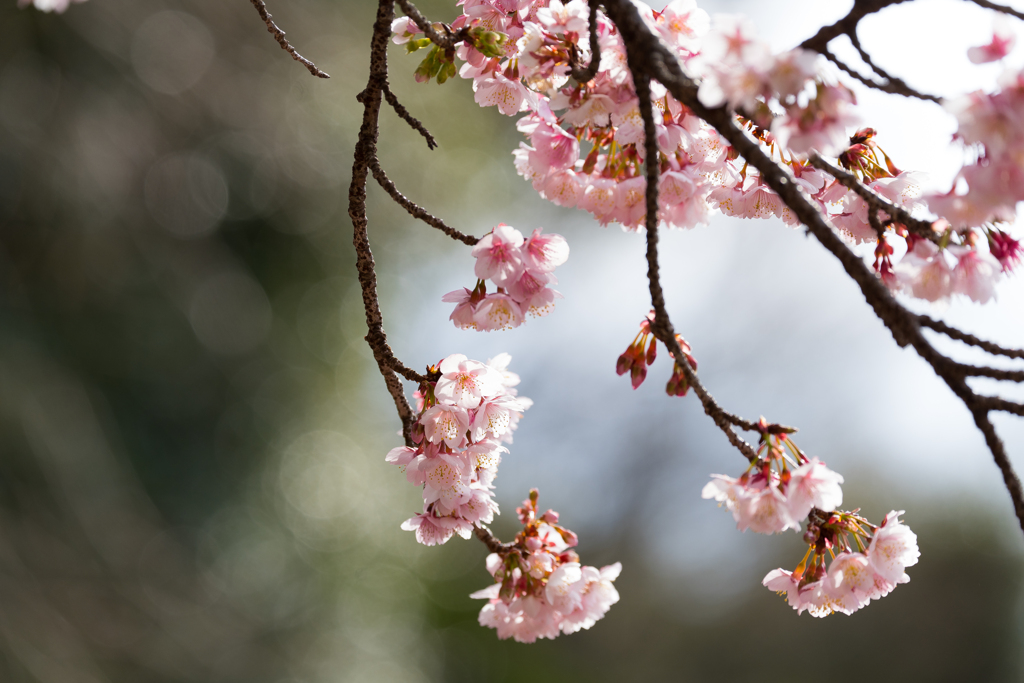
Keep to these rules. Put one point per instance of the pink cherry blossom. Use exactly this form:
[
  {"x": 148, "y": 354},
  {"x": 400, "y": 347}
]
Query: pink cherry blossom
[
  {"x": 445, "y": 423},
  {"x": 465, "y": 382},
  {"x": 465, "y": 308},
  {"x": 925, "y": 272},
  {"x": 893, "y": 548},
  {"x": 764, "y": 511},
  {"x": 813, "y": 485},
  {"x": 498, "y": 255},
  {"x": 1003, "y": 39},
  {"x": 497, "y": 312},
  {"x": 543, "y": 253},
  {"x": 976, "y": 274}
]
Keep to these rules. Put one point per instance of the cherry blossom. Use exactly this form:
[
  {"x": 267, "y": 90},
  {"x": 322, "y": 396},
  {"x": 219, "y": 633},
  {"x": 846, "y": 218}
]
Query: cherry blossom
[
  {"x": 1003, "y": 39},
  {"x": 541, "y": 589}
]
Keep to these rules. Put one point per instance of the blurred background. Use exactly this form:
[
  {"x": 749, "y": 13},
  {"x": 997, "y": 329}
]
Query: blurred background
[{"x": 192, "y": 431}]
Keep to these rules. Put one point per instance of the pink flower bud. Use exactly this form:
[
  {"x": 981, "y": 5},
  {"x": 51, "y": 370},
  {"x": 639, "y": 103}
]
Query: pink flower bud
[
  {"x": 637, "y": 374},
  {"x": 624, "y": 363}
]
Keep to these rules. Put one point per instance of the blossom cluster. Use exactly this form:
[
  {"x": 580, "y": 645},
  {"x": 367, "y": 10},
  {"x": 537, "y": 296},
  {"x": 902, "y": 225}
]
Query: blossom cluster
[
  {"x": 585, "y": 140},
  {"x": 855, "y": 577},
  {"x": 642, "y": 353},
  {"x": 465, "y": 413},
  {"x": 780, "y": 489},
  {"x": 541, "y": 590},
  {"x": 521, "y": 269}
]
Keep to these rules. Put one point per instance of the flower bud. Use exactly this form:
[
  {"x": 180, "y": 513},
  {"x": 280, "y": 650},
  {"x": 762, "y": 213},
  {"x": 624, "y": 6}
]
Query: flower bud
[
  {"x": 624, "y": 363},
  {"x": 637, "y": 374}
]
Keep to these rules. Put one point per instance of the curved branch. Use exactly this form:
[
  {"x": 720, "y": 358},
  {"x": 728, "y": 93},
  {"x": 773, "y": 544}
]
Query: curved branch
[
  {"x": 278, "y": 34},
  {"x": 414, "y": 209},
  {"x": 970, "y": 339},
  {"x": 662, "y": 325},
  {"x": 586, "y": 75},
  {"x": 999, "y": 8},
  {"x": 491, "y": 541},
  {"x": 445, "y": 42},
  {"x": 875, "y": 201},
  {"x": 893, "y": 86},
  {"x": 847, "y": 25},
  {"x": 365, "y": 154},
  {"x": 404, "y": 114}
]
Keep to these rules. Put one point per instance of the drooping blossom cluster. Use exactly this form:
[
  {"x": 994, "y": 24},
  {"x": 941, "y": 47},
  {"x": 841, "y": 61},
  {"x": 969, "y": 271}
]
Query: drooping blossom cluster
[
  {"x": 585, "y": 140},
  {"x": 521, "y": 270},
  {"x": 867, "y": 563},
  {"x": 779, "y": 489},
  {"x": 642, "y": 353},
  {"x": 986, "y": 191},
  {"x": 935, "y": 266},
  {"x": 782, "y": 488},
  {"x": 541, "y": 590},
  {"x": 48, "y": 5},
  {"x": 465, "y": 413}
]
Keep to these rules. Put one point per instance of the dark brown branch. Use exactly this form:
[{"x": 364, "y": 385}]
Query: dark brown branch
[
  {"x": 365, "y": 160},
  {"x": 365, "y": 154},
  {"x": 414, "y": 209},
  {"x": 491, "y": 541},
  {"x": 278, "y": 34},
  {"x": 847, "y": 25},
  {"x": 875, "y": 201},
  {"x": 993, "y": 373},
  {"x": 893, "y": 86},
  {"x": 995, "y": 444},
  {"x": 404, "y": 114},
  {"x": 954, "y": 333},
  {"x": 990, "y": 403},
  {"x": 585, "y": 75},
  {"x": 999, "y": 8},
  {"x": 648, "y": 56},
  {"x": 662, "y": 325}
]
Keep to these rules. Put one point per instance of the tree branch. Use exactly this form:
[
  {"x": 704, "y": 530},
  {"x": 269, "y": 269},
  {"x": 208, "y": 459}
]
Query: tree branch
[
  {"x": 278, "y": 34},
  {"x": 954, "y": 333},
  {"x": 662, "y": 325},
  {"x": 875, "y": 201},
  {"x": 585, "y": 75},
  {"x": 414, "y": 209},
  {"x": 404, "y": 114},
  {"x": 999, "y": 8}
]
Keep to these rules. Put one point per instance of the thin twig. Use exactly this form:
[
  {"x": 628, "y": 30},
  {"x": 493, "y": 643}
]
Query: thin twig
[
  {"x": 414, "y": 209},
  {"x": 970, "y": 339},
  {"x": 585, "y": 75},
  {"x": 874, "y": 200},
  {"x": 404, "y": 114},
  {"x": 895, "y": 84},
  {"x": 999, "y": 8},
  {"x": 278, "y": 34},
  {"x": 445, "y": 42},
  {"x": 662, "y": 325}
]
